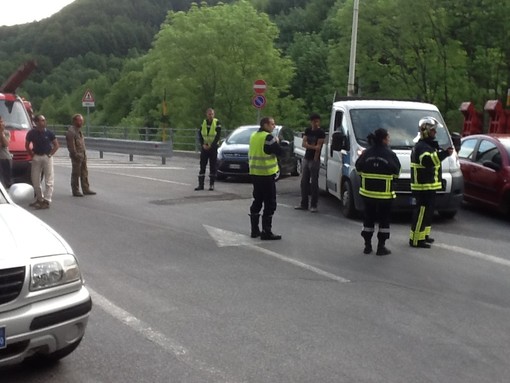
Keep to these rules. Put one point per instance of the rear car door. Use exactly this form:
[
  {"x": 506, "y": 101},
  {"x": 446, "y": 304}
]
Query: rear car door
[
  {"x": 485, "y": 180},
  {"x": 466, "y": 158}
]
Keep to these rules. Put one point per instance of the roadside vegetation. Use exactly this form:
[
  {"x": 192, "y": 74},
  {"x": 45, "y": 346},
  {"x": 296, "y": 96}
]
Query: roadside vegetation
[{"x": 134, "y": 53}]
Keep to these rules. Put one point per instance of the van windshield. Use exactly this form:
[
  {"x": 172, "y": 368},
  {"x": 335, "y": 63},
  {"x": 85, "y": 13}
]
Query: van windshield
[
  {"x": 14, "y": 115},
  {"x": 401, "y": 124}
]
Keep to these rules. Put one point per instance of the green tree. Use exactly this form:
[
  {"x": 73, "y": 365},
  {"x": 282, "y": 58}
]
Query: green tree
[
  {"x": 312, "y": 82},
  {"x": 404, "y": 51},
  {"x": 210, "y": 56}
]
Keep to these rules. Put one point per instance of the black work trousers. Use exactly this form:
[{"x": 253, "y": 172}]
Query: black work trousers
[
  {"x": 211, "y": 156},
  {"x": 423, "y": 213},
  {"x": 264, "y": 194},
  {"x": 377, "y": 210}
]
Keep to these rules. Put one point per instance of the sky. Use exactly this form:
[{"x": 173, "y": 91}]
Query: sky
[{"x": 25, "y": 11}]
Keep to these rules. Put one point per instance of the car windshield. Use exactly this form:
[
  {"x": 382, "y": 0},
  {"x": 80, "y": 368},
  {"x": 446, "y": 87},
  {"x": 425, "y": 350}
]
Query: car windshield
[
  {"x": 14, "y": 115},
  {"x": 241, "y": 136},
  {"x": 401, "y": 124}
]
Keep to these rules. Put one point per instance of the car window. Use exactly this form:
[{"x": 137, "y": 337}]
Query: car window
[
  {"x": 241, "y": 136},
  {"x": 467, "y": 148},
  {"x": 486, "y": 151}
]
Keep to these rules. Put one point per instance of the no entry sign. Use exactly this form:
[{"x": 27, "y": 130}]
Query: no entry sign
[{"x": 259, "y": 86}]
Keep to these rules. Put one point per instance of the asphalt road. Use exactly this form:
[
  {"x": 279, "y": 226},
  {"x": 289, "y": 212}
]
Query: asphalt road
[{"x": 182, "y": 294}]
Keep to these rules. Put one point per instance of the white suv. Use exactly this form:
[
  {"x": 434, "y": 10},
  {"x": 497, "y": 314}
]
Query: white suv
[{"x": 44, "y": 306}]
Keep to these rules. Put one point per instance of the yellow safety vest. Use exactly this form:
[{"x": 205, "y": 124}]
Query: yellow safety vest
[
  {"x": 261, "y": 163},
  {"x": 209, "y": 136},
  {"x": 418, "y": 173}
]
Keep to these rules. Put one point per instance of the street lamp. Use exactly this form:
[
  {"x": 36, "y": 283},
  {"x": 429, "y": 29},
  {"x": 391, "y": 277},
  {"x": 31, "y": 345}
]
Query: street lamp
[{"x": 352, "y": 60}]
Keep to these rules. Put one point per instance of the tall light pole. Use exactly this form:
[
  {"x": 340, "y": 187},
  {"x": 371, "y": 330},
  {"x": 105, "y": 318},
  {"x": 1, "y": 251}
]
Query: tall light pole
[{"x": 352, "y": 59}]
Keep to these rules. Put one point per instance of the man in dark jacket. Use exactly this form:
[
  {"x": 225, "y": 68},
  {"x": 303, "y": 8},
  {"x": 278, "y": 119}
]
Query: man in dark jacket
[
  {"x": 426, "y": 179},
  {"x": 378, "y": 166}
]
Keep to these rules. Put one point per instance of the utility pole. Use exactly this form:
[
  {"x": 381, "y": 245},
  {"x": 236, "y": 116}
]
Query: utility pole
[{"x": 352, "y": 59}]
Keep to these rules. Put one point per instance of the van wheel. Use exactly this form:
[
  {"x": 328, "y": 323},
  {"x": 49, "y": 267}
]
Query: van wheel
[
  {"x": 297, "y": 168},
  {"x": 447, "y": 214},
  {"x": 348, "y": 209}
]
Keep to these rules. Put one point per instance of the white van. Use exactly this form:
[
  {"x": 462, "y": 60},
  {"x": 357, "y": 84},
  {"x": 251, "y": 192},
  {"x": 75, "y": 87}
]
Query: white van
[{"x": 352, "y": 120}]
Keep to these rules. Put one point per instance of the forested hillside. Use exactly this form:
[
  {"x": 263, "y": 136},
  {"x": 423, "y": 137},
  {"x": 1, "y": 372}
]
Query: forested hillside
[{"x": 133, "y": 52}]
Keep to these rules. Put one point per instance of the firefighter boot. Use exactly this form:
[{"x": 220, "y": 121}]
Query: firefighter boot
[
  {"x": 367, "y": 236},
  {"x": 381, "y": 248},
  {"x": 255, "y": 231},
  {"x": 211, "y": 182},
  {"x": 267, "y": 234},
  {"x": 201, "y": 180}
]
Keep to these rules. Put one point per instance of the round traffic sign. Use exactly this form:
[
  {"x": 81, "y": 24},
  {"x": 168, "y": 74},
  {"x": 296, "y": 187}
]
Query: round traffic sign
[
  {"x": 258, "y": 101},
  {"x": 259, "y": 86}
]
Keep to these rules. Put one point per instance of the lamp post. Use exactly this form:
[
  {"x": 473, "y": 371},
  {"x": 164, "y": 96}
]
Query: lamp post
[{"x": 352, "y": 59}]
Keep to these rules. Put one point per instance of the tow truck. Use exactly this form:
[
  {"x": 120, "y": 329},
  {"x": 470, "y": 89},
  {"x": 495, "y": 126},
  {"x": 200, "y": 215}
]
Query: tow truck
[{"x": 17, "y": 114}]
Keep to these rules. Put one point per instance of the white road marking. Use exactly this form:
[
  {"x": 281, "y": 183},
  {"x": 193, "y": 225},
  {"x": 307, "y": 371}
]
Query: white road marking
[
  {"x": 475, "y": 254},
  {"x": 225, "y": 238},
  {"x": 169, "y": 345}
]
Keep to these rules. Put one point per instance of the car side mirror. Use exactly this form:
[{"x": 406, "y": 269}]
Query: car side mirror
[
  {"x": 456, "y": 137},
  {"x": 338, "y": 142},
  {"x": 21, "y": 193}
]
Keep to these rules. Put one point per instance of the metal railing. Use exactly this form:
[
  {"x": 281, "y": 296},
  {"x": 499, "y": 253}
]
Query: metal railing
[
  {"x": 182, "y": 139},
  {"x": 145, "y": 141}
]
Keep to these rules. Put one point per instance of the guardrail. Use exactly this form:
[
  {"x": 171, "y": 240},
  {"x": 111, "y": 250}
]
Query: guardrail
[{"x": 111, "y": 145}]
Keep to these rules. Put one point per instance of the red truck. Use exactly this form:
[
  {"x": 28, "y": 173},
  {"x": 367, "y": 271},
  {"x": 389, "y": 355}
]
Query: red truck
[{"x": 17, "y": 115}]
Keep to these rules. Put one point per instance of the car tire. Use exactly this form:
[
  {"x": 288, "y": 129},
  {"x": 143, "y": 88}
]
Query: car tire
[
  {"x": 297, "y": 168},
  {"x": 348, "y": 208}
]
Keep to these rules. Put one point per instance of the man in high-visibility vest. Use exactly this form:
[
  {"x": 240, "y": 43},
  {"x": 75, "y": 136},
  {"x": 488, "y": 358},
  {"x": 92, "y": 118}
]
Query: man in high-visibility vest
[
  {"x": 426, "y": 179},
  {"x": 264, "y": 148},
  {"x": 208, "y": 136},
  {"x": 378, "y": 166}
]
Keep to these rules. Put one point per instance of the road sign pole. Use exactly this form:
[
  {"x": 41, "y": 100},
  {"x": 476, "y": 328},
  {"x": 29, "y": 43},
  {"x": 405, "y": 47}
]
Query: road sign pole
[{"x": 87, "y": 124}]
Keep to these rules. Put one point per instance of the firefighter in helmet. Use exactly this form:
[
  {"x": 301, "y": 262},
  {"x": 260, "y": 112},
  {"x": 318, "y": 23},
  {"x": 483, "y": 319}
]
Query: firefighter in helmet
[{"x": 426, "y": 179}]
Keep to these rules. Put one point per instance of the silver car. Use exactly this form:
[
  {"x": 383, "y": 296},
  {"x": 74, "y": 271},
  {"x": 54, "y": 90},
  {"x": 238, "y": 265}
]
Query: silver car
[{"x": 44, "y": 306}]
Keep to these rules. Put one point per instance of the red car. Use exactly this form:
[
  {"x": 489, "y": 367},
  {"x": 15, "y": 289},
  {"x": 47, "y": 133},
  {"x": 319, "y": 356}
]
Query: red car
[{"x": 485, "y": 165}]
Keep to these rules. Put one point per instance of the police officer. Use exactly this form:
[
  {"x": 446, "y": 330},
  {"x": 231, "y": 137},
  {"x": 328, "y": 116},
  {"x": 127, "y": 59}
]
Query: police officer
[
  {"x": 426, "y": 178},
  {"x": 264, "y": 148},
  {"x": 208, "y": 136},
  {"x": 378, "y": 166}
]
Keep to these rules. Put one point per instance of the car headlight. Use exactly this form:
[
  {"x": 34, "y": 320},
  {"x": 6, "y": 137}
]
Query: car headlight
[{"x": 53, "y": 271}]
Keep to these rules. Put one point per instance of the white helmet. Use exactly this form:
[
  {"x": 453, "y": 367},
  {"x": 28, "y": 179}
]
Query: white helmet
[{"x": 426, "y": 124}]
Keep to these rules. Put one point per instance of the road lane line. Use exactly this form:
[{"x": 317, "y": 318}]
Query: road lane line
[
  {"x": 300, "y": 264},
  {"x": 169, "y": 345},
  {"x": 475, "y": 254},
  {"x": 225, "y": 238}
]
